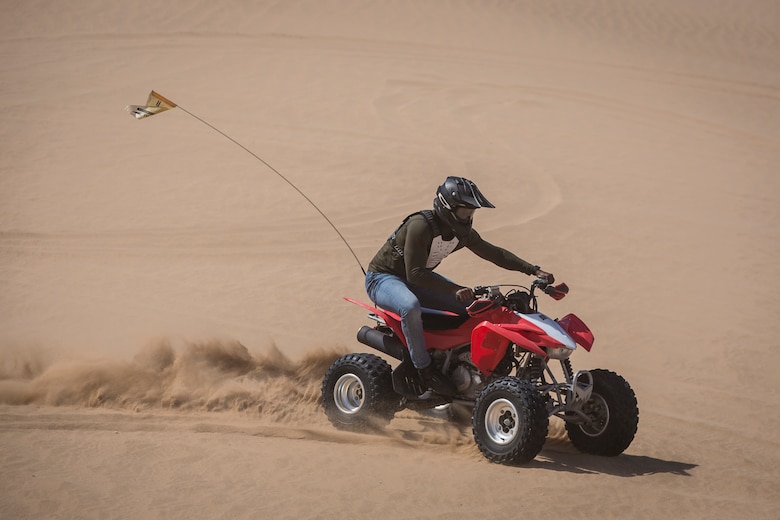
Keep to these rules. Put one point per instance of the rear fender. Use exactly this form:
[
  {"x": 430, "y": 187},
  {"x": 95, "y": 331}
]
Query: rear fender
[
  {"x": 391, "y": 319},
  {"x": 577, "y": 329},
  {"x": 489, "y": 342}
]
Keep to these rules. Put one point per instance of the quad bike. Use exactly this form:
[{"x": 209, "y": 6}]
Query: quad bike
[{"x": 500, "y": 356}]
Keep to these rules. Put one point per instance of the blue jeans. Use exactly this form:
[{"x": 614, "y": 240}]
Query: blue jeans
[{"x": 396, "y": 295}]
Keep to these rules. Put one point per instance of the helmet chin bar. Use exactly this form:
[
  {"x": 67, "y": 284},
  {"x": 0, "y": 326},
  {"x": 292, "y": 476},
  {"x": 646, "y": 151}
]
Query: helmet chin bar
[{"x": 460, "y": 229}]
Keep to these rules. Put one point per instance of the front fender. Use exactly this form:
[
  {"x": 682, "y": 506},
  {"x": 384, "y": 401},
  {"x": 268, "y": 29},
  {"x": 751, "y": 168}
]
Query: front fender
[
  {"x": 489, "y": 342},
  {"x": 577, "y": 329}
]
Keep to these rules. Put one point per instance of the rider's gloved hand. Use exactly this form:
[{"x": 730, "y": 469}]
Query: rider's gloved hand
[
  {"x": 464, "y": 294},
  {"x": 544, "y": 274}
]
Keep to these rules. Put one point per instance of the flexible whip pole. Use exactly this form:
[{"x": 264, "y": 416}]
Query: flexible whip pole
[{"x": 250, "y": 152}]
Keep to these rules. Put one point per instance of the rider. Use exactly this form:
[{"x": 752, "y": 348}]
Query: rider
[{"x": 401, "y": 279}]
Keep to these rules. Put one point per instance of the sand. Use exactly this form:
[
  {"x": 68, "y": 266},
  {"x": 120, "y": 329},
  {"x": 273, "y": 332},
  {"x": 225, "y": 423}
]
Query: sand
[{"x": 169, "y": 304}]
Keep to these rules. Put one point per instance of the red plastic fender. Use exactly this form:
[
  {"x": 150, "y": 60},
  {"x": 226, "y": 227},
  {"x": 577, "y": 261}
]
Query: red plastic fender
[
  {"x": 385, "y": 314},
  {"x": 391, "y": 319},
  {"x": 489, "y": 342},
  {"x": 577, "y": 329}
]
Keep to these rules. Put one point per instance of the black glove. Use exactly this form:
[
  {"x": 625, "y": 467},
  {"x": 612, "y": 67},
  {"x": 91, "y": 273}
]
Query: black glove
[{"x": 544, "y": 274}]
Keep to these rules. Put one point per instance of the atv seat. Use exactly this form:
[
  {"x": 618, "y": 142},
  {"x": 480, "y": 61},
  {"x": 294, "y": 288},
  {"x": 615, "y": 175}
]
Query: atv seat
[{"x": 434, "y": 319}]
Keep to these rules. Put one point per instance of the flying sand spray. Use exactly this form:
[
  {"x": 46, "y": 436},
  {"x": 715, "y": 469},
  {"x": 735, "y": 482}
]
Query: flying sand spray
[{"x": 157, "y": 103}]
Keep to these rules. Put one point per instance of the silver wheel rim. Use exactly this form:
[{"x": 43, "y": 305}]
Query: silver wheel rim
[
  {"x": 501, "y": 421},
  {"x": 598, "y": 411},
  {"x": 348, "y": 394}
]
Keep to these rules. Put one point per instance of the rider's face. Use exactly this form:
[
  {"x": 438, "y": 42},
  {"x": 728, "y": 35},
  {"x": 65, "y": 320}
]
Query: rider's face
[{"x": 464, "y": 214}]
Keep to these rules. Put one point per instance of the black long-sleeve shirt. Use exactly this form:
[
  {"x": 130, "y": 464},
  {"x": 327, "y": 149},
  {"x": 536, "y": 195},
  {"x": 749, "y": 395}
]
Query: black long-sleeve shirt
[{"x": 422, "y": 252}]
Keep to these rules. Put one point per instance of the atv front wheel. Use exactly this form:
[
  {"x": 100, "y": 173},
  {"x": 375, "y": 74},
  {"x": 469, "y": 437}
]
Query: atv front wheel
[
  {"x": 613, "y": 414},
  {"x": 357, "y": 393},
  {"x": 510, "y": 421}
]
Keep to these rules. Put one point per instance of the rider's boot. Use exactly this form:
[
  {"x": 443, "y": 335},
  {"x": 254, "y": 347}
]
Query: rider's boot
[{"x": 437, "y": 381}]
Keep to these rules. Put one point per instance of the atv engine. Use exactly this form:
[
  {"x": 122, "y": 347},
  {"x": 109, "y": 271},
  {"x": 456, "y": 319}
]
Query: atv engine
[{"x": 468, "y": 380}]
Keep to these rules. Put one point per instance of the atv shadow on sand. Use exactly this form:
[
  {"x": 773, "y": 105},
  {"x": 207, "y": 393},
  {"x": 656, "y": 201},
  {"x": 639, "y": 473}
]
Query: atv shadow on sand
[{"x": 624, "y": 465}]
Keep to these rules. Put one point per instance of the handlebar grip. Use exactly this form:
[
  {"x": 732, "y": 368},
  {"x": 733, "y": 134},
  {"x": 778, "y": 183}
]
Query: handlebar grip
[
  {"x": 479, "y": 290},
  {"x": 486, "y": 290}
]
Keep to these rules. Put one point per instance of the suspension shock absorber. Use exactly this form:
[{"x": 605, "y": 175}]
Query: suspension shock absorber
[
  {"x": 536, "y": 369},
  {"x": 566, "y": 364}
]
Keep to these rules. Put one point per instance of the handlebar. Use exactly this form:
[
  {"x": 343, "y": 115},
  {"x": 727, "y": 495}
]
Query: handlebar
[{"x": 557, "y": 292}]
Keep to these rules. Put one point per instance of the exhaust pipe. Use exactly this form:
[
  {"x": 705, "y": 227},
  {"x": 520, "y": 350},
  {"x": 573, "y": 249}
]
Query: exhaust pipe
[{"x": 390, "y": 345}]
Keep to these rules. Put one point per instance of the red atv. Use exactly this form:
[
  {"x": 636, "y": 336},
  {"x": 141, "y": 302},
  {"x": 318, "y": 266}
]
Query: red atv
[{"x": 500, "y": 356}]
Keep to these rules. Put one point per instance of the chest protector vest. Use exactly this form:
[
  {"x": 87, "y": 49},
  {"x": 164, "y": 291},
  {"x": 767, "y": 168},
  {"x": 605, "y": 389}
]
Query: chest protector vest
[{"x": 440, "y": 248}]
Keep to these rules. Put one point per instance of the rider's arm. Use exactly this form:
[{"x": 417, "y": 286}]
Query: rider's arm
[
  {"x": 498, "y": 255},
  {"x": 417, "y": 245}
]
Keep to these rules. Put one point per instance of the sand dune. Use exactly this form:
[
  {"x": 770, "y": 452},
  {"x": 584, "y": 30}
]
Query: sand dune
[{"x": 168, "y": 304}]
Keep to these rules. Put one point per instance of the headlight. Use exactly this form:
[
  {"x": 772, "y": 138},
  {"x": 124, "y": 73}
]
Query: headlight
[{"x": 559, "y": 352}]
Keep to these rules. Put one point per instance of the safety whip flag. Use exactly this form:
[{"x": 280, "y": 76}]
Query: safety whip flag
[{"x": 154, "y": 105}]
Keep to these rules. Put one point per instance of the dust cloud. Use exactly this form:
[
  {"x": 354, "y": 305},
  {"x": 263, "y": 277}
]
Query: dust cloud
[{"x": 212, "y": 376}]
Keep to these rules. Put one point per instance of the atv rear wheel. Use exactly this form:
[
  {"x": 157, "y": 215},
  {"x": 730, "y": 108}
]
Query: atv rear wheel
[
  {"x": 357, "y": 393},
  {"x": 510, "y": 421},
  {"x": 614, "y": 416}
]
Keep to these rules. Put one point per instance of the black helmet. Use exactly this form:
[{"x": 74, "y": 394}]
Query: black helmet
[{"x": 454, "y": 193}]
